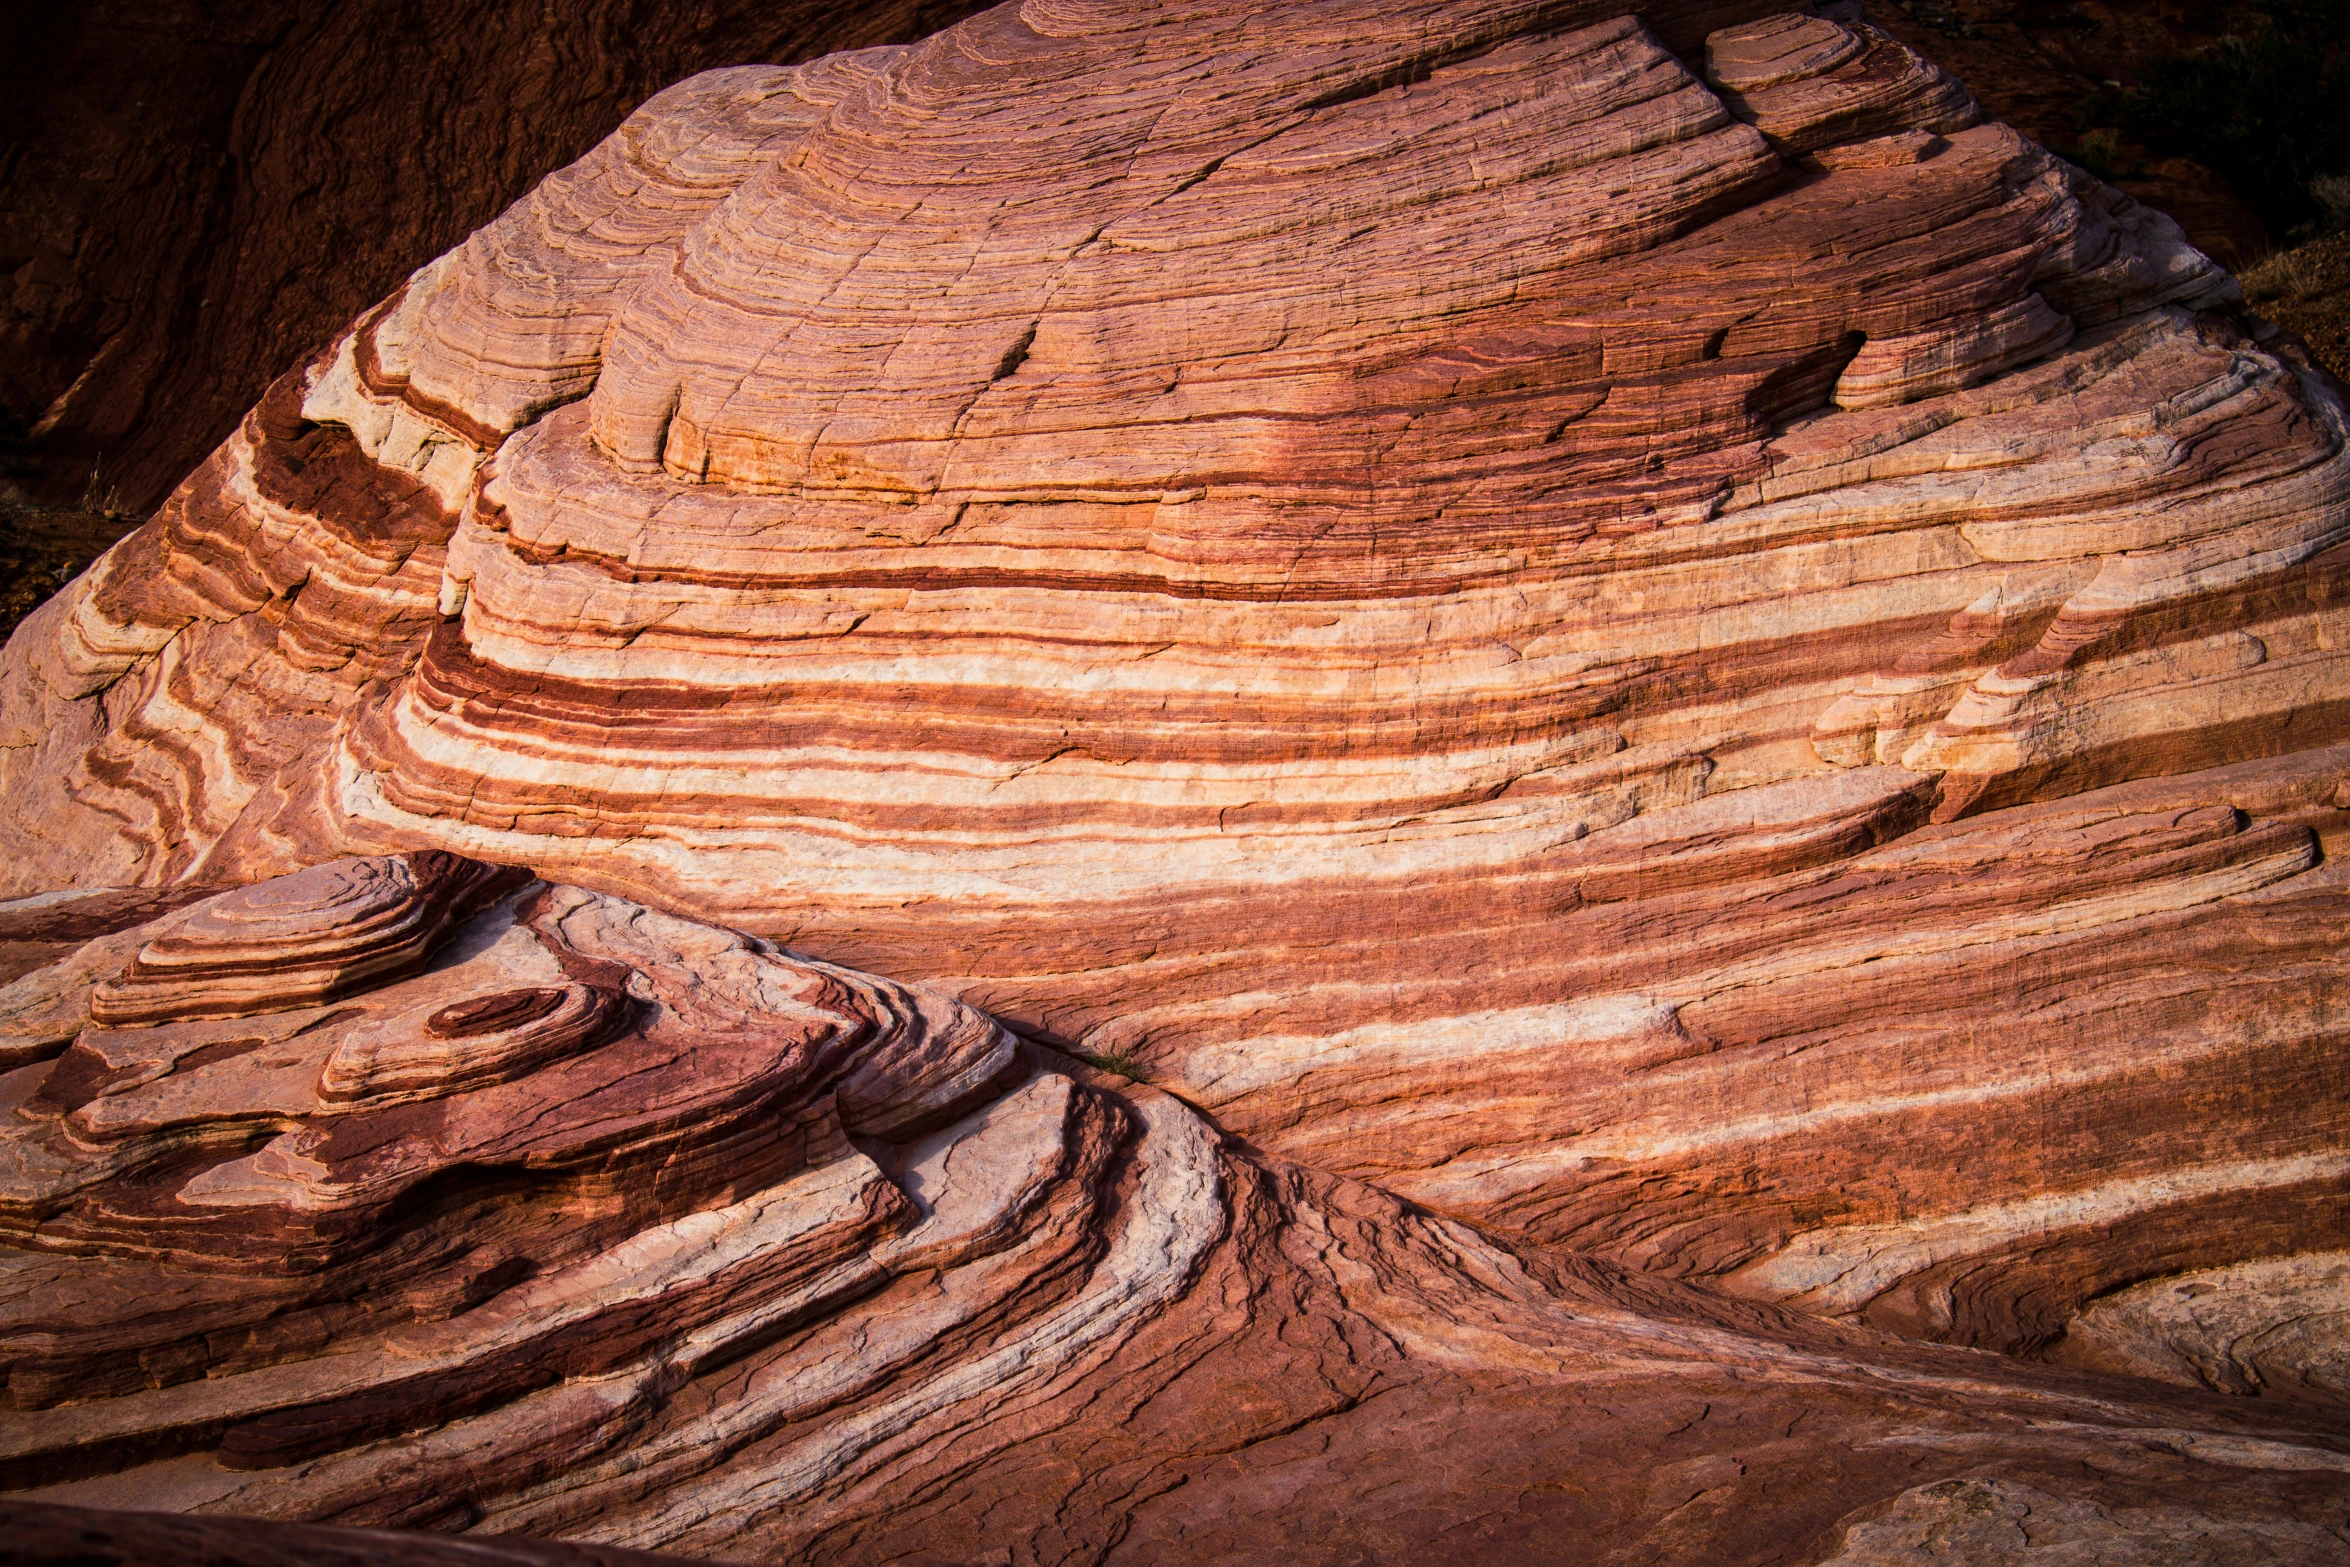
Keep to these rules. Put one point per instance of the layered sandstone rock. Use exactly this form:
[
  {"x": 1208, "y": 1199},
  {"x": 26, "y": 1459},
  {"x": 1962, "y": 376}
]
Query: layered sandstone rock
[
  {"x": 1669, "y": 690},
  {"x": 607, "y": 1223},
  {"x": 43, "y": 1533}
]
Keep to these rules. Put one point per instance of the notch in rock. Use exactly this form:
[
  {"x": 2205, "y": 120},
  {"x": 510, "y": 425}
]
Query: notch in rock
[{"x": 1014, "y": 356}]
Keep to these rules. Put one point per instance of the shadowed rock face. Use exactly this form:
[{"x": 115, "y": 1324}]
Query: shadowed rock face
[
  {"x": 195, "y": 194},
  {"x": 1684, "y": 704}
]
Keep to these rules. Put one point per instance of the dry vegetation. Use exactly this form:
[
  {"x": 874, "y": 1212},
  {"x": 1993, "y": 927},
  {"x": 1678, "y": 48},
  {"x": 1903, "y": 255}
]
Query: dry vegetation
[{"x": 2307, "y": 290}]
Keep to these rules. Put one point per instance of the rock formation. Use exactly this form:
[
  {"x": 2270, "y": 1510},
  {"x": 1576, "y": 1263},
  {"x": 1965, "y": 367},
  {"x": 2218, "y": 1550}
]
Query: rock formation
[
  {"x": 40, "y": 1534},
  {"x": 1672, "y": 707},
  {"x": 560, "y": 1215},
  {"x": 191, "y": 196},
  {"x": 2044, "y": 70}
]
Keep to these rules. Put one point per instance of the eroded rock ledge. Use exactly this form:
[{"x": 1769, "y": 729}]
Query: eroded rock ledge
[{"x": 600, "y": 1222}]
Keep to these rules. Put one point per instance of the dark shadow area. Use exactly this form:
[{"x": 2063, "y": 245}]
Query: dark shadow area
[{"x": 196, "y": 193}]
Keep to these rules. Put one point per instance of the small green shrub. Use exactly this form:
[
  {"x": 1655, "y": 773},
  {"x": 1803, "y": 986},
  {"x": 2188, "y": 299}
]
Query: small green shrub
[
  {"x": 2100, "y": 152},
  {"x": 1124, "y": 1063}
]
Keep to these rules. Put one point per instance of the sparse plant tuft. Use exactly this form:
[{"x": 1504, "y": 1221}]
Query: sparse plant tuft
[{"x": 1121, "y": 1063}]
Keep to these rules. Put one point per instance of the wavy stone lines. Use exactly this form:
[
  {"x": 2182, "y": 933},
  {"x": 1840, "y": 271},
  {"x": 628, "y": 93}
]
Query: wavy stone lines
[
  {"x": 1098, "y": 272},
  {"x": 1042, "y": 1301},
  {"x": 1627, "y": 633},
  {"x": 299, "y": 940},
  {"x": 512, "y": 322},
  {"x": 1808, "y": 83},
  {"x": 302, "y": 562},
  {"x": 166, "y": 687},
  {"x": 1070, "y": 758},
  {"x": 286, "y": 1131},
  {"x": 651, "y": 651},
  {"x": 1979, "y": 1068}
]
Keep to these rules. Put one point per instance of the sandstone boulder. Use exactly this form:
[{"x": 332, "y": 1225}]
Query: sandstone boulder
[{"x": 1674, "y": 709}]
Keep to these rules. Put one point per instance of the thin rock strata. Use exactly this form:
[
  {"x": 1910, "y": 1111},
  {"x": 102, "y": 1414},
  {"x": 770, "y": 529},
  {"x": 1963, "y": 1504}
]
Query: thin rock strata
[
  {"x": 1682, "y": 702},
  {"x": 614, "y": 1225}
]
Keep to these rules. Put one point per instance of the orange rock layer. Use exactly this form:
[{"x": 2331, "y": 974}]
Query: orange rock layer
[
  {"x": 610, "y": 1224},
  {"x": 1670, "y": 690}
]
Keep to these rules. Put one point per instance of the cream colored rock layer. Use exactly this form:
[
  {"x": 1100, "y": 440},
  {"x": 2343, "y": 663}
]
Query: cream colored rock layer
[
  {"x": 778, "y": 1259},
  {"x": 1737, "y": 672}
]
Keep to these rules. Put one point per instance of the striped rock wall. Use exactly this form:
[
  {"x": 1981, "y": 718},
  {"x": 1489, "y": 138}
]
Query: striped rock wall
[
  {"x": 477, "y": 1203},
  {"x": 1634, "y": 631}
]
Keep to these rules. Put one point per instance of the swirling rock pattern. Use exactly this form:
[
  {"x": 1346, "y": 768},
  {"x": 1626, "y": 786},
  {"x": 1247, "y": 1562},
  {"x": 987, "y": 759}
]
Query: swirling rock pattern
[
  {"x": 773, "y": 1258},
  {"x": 184, "y": 170},
  {"x": 1683, "y": 702},
  {"x": 299, "y": 939}
]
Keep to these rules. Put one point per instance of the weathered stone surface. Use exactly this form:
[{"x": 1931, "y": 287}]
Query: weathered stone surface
[
  {"x": 2279, "y": 1326},
  {"x": 40, "y": 1533},
  {"x": 1993, "y": 1523},
  {"x": 781, "y": 1260},
  {"x": 1683, "y": 703}
]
